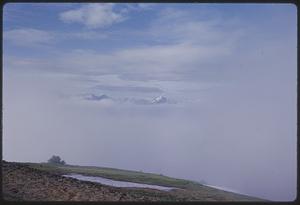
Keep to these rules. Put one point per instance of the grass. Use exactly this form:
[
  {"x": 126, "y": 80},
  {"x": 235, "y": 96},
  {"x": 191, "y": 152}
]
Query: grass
[
  {"x": 117, "y": 174},
  {"x": 189, "y": 189}
]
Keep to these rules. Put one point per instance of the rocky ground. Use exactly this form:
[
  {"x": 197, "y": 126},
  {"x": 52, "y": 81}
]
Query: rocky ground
[{"x": 21, "y": 182}]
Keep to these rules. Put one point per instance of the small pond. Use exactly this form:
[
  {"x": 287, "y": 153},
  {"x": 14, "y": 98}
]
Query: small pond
[{"x": 115, "y": 183}]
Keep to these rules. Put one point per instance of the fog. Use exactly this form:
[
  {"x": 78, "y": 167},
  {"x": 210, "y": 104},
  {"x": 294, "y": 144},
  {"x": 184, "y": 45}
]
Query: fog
[
  {"x": 231, "y": 120},
  {"x": 240, "y": 142}
]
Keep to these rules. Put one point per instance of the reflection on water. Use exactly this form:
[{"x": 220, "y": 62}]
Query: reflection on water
[{"x": 115, "y": 183}]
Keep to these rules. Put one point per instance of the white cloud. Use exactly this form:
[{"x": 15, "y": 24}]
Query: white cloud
[
  {"x": 191, "y": 45},
  {"x": 93, "y": 15},
  {"x": 87, "y": 35},
  {"x": 169, "y": 62},
  {"x": 189, "y": 57},
  {"x": 28, "y": 36},
  {"x": 146, "y": 5},
  {"x": 138, "y": 6},
  {"x": 34, "y": 37},
  {"x": 177, "y": 26}
]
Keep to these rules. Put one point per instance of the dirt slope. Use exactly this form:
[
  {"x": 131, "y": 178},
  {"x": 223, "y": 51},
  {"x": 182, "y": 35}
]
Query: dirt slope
[{"x": 21, "y": 182}]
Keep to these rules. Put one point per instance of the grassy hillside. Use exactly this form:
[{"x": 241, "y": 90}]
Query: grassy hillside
[
  {"x": 117, "y": 174},
  {"x": 35, "y": 181}
]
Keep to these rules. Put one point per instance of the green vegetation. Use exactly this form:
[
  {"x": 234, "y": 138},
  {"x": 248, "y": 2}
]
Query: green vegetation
[
  {"x": 56, "y": 160},
  {"x": 116, "y": 174},
  {"x": 18, "y": 174}
]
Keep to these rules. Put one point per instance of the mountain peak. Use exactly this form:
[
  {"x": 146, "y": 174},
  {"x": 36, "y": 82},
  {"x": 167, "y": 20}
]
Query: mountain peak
[
  {"x": 97, "y": 97},
  {"x": 159, "y": 99}
]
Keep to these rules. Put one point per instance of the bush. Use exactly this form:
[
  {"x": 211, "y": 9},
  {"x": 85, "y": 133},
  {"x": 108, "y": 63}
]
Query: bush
[{"x": 56, "y": 160}]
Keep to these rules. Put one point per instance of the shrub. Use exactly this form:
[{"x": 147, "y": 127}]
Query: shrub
[{"x": 56, "y": 160}]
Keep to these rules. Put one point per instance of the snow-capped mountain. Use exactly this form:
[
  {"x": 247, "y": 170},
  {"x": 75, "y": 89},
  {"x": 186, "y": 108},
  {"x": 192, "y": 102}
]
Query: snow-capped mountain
[
  {"x": 96, "y": 97},
  {"x": 137, "y": 101},
  {"x": 159, "y": 100}
]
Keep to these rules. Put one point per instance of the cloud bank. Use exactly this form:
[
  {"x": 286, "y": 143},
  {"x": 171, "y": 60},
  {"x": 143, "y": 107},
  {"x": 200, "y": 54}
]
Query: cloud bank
[{"x": 93, "y": 15}]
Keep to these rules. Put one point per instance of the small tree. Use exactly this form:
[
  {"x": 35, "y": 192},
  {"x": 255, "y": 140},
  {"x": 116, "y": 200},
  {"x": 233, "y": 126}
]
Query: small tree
[{"x": 56, "y": 160}]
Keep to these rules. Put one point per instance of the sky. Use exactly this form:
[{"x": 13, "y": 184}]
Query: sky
[{"x": 194, "y": 91}]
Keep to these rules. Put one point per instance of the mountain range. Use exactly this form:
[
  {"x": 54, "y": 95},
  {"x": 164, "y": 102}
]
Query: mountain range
[{"x": 140, "y": 101}]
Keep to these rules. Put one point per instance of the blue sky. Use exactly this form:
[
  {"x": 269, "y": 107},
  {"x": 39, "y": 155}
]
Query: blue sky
[{"x": 214, "y": 84}]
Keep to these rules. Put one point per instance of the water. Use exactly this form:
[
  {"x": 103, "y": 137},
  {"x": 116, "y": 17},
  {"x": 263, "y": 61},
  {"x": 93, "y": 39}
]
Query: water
[
  {"x": 224, "y": 189},
  {"x": 115, "y": 183}
]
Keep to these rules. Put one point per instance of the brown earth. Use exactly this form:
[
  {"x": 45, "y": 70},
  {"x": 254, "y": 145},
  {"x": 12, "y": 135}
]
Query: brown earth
[{"x": 21, "y": 182}]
